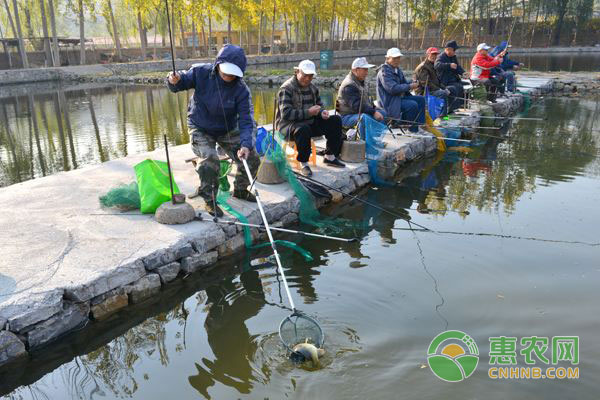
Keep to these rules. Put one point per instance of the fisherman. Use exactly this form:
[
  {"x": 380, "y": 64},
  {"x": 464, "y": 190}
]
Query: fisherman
[
  {"x": 450, "y": 73},
  {"x": 427, "y": 78},
  {"x": 300, "y": 116},
  {"x": 481, "y": 64},
  {"x": 508, "y": 66},
  {"x": 393, "y": 92},
  {"x": 353, "y": 97},
  {"x": 220, "y": 112}
]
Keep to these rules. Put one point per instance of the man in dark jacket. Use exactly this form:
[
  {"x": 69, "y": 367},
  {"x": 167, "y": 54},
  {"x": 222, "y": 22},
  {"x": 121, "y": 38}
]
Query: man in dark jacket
[
  {"x": 220, "y": 111},
  {"x": 300, "y": 116},
  {"x": 450, "y": 73},
  {"x": 393, "y": 92},
  {"x": 353, "y": 97},
  {"x": 508, "y": 67},
  {"x": 427, "y": 77}
]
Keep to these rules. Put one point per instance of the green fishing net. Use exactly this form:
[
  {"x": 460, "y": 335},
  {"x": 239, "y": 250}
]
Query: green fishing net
[
  {"x": 124, "y": 197},
  {"x": 223, "y": 201}
]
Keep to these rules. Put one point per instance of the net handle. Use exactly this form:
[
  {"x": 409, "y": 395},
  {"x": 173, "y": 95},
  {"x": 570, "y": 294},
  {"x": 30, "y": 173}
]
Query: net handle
[{"x": 268, "y": 229}]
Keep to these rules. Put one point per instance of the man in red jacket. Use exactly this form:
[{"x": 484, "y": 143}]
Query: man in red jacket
[{"x": 481, "y": 64}]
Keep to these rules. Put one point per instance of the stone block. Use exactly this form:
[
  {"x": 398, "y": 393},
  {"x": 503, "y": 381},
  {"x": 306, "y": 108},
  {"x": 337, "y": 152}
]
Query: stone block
[
  {"x": 175, "y": 214},
  {"x": 231, "y": 246},
  {"x": 11, "y": 348},
  {"x": 168, "y": 272},
  {"x": 275, "y": 213},
  {"x": 120, "y": 276},
  {"x": 184, "y": 251},
  {"x": 289, "y": 219},
  {"x": 158, "y": 259},
  {"x": 109, "y": 306},
  {"x": 39, "y": 308},
  {"x": 209, "y": 240},
  {"x": 230, "y": 230},
  {"x": 361, "y": 180},
  {"x": 197, "y": 261},
  {"x": 353, "y": 151},
  {"x": 72, "y": 316},
  {"x": 2, "y": 323},
  {"x": 111, "y": 293},
  {"x": 144, "y": 288}
]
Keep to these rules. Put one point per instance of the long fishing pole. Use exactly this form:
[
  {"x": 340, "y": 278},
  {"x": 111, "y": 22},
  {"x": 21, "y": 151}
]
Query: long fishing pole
[
  {"x": 438, "y": 138},
  {"x": 495, "y": 117},
  {"x": 287, "y": 231},
  {"x": 170, "y": 36},
  {"x": 169, "y": 168},
  {"x": 439, "y": 126},
  {"x": 270, "y": 235},
  {"x": 353, "y": 197}
]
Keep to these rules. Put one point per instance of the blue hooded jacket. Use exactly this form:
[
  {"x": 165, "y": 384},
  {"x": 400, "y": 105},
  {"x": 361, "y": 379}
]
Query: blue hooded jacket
[
  {"x": 391, "y": 86},
  {"x": 217, "y": 107},
  {"x": 507, "y": 63}
]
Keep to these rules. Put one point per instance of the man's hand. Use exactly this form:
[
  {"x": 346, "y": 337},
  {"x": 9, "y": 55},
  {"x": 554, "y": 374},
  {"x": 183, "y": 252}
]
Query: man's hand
[
  {"x": 314, "y": 110},
  {"x": 325, "y": 114},
  {"x": 414, "y": 85},
  {"x": 378, "y": 116},
  {"x": 243, "y": 153},
  {"x": 448, "y": 92},
  {"x": 453, "y": 65},
  {"x": 173, "y": 78}
]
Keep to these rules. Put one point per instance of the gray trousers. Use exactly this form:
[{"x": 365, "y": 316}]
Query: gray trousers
[{"x": 204, "y": 146}]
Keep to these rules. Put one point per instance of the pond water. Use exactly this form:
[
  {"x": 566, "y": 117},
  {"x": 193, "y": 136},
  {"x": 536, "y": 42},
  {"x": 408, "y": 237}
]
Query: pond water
[{"x": 516, "y": 254}]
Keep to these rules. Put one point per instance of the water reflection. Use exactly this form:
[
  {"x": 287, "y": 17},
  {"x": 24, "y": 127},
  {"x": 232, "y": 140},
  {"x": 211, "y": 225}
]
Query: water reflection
[
  {"x": 228, "y": 307},
  {"x": 41, "y": 134}
]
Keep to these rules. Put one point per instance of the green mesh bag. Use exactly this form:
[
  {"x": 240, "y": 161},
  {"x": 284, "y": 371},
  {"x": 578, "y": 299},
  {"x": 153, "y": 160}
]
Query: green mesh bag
[
  {"x": 125, "y": 197},
  {"x": 153, "y": 184}
]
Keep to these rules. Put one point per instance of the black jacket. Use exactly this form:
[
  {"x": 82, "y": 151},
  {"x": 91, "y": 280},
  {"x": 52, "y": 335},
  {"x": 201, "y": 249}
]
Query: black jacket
[{"x": 446, "y": 74}]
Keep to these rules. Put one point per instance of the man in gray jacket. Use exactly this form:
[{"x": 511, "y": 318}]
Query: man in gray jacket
[{"x": 353, "y": 97}]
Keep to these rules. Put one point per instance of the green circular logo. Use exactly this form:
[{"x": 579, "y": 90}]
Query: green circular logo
[{"x": 453, "y": 356}]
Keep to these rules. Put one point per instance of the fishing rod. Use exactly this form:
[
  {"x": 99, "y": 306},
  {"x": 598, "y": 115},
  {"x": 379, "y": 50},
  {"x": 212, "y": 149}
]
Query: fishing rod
[
  {"x": 494, "y": 117},
  {"x": 170, "y": 36},
  {"x": 169, "y": 168},
  {"x": 438, "y": 138},
  {"x": 440, "y": 126},
  {"x": 262, "y": 227},
  {"x": 353, "y": 197}
]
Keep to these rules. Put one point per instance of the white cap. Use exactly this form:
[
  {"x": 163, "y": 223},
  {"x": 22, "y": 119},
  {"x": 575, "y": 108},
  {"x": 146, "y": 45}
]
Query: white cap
[
  {"x": 361, "y": 62},
  {"x": 393, "y": 52},
  {"x": 483, "y": 46},
  {"x": 231, "y": 69},
  {"x": 307, "y": 67}
]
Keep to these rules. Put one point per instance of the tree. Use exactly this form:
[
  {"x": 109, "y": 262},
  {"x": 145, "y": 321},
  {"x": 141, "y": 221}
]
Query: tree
[{"x": 24, "y": 59}]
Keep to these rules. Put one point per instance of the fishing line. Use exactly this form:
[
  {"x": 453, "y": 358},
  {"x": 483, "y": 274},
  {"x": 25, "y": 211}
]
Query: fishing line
[{"x": 592, "y": 244}]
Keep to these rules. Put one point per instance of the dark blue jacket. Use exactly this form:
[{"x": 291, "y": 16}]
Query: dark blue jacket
[
  {"x": 507, "y": 63},
  {"x": 216, "y": 106},
  {"x": 391, "y": 86},
  {"x": 446, "y": 74}
]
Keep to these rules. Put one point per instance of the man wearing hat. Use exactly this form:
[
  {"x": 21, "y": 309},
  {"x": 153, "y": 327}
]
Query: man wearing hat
[
  {"x": 300, "y": 116},
  {"x": 427, "y": 77},
  {"x": 450, "y": 73},
  {"x": 481, "y": 65},
  {"x": 353, "y": 96},
  {"x": 220, "y": 111},
  {"x": 393, "y": 92}
]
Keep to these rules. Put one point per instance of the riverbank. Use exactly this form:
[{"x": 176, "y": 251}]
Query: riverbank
[
  {"x": 68, "y": 263},
  {"x": 122, "y": 72}
]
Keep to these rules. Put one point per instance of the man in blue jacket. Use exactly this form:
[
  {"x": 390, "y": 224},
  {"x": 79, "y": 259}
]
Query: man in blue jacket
[
  {"x": 508, "y": 67},
  {"x": 220, "y": 111},
  {"x": 393, "y": 92},
  {"x": 450, "y": 73}
]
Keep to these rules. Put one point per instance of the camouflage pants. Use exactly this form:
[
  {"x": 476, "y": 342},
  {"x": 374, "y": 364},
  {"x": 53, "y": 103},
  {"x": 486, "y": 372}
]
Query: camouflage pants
[{"x": 204, "y": 146}]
